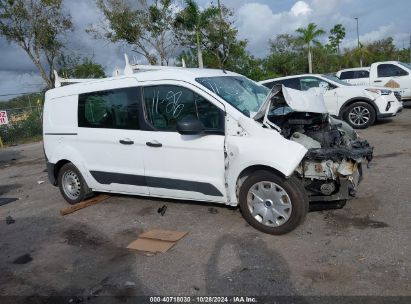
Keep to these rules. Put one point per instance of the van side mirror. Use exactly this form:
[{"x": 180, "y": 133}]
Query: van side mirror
[{"x": 190, "y": 125}]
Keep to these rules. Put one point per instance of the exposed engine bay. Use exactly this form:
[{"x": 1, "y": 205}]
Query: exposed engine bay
[{"x": 333, "y": 166}]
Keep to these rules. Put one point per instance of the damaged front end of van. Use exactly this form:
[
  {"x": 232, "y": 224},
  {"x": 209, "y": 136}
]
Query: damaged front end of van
[{"x": 334, "y": 164}]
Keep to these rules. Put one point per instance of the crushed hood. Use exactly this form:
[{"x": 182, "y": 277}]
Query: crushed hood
[{"x": 299, "y": 101}]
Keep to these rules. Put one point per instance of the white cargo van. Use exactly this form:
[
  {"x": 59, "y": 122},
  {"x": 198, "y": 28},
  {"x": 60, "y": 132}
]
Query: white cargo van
[
  {"x": 200, "y": 134},
  {"x": 393, "y": 74}
]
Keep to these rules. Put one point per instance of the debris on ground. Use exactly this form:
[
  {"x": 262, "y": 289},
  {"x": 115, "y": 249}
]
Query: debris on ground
[
  {"x": 7, "y": 200},
  {"x": 40, "y": 182},
  {"x": 162, "y": 210},
  {"x": 23, "y": 259},
  {"x": 156, "y": 240},
  {"x": 213, "y": 210},
  {"x": 84, "y": 204},
  {"x": 10, "y": 220},
  {"x": 129, "y": 283}
]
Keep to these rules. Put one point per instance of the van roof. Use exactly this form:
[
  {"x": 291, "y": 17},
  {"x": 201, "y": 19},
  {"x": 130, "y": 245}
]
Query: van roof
[{"x": 169, "y": 73}]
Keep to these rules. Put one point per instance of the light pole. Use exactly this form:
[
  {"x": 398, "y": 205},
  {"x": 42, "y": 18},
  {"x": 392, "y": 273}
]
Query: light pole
[{"x": 358, "y": 41}]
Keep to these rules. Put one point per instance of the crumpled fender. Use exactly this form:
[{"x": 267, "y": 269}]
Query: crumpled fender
[{"x": 260, "y": 146}]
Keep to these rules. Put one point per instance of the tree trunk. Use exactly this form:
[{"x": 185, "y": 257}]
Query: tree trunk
[
  {"x": 199, "y": 52},
  {"x": 310, "y": 61}
]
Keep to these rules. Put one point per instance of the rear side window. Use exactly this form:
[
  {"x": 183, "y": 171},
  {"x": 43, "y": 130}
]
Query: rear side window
[
  {"x": 270, "y": 84},
  {"x": 362, "y": 74},
  {"x": 113, "y": 109},
  {"x": 390, "y": 70},
  {"x": 347, "y": 75},
  {"x": 292, "y": 83},
  {"x": 165, "y": 105}
]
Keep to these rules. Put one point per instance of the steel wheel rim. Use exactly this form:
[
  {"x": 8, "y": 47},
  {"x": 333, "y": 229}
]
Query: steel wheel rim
[
  {"x": 269, "y": 204},
  {"x": 359, "y": 115},
  {"x": 71, "y": 185}
]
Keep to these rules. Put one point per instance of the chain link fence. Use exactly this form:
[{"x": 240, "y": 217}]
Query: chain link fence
[{"x": 24, "y": 125}]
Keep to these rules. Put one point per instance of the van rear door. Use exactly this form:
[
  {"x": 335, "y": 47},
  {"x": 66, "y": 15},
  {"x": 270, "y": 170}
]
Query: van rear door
[{"x": 109, "y": 137}]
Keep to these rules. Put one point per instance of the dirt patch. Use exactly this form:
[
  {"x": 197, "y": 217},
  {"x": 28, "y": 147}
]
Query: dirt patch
[
  {"x": 393, "y": 154},
  {"x": 345, "y": 221},
  {"x": 329, "y": 274},
  {"x": 80, "y": 238},
  {"x": 23, "y": 259},
  {"x": 146, "y": 211},
  {"x": 7, "y": 188}
]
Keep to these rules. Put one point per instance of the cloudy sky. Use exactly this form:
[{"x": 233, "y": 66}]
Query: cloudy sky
[{"x": 256, "y": 20}]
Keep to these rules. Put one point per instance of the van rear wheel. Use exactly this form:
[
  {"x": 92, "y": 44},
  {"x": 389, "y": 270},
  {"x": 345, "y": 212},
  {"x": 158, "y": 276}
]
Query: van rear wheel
[
  {"x": 72, "y": 184},
  {"x": 273, "y": 204}
]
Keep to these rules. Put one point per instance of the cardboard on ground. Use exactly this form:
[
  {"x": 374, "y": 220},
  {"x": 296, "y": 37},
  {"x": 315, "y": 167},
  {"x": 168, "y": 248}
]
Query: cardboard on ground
[{"x": 156, "y": 240}]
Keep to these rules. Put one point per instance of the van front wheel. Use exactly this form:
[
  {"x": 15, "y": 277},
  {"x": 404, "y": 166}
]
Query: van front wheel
[
  {"x": 273, "y": 204},
  {"x": 72, "y": 185}
]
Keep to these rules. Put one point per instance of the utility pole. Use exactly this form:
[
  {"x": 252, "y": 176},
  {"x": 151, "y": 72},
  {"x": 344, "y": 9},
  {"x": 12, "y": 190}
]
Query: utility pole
[
  {"x": 358, "y": 41},
  {"x": 410, "y": 49},
  {"x": 222, "y": 36}
]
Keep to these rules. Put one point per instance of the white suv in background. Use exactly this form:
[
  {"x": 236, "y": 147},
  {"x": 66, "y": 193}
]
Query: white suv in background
[
  {"x": 358, "y": 106},
  {"x": 199, "y": 134}
]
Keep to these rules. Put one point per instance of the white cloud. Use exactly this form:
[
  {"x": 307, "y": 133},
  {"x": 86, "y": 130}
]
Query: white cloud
[
  {"x": 301, "y": 8},
  {"x": 258, "y": 23}
]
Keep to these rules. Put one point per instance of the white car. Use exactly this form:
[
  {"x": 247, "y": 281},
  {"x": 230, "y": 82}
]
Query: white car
[
  {"x": 358, "y": 106},
  {"x": 392, "y": 74},
  {"x": 187, "y": 134}
]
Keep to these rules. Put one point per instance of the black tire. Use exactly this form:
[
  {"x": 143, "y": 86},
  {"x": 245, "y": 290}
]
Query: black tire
[
  {"x": 296, "y": 194},
  {"x": 80, "y": 189},
  {"x": 360, "y": 115}
]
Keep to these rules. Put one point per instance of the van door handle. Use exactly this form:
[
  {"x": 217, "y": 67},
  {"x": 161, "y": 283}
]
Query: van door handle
[
  {"x": 154, "y": 144},
  {"x": 126, "y": 142},
  {"x": 377, "y": 80}
]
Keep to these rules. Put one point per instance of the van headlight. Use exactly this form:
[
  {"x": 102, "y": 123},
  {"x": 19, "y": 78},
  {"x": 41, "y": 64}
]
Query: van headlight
[{"x": 380, "y": 91}]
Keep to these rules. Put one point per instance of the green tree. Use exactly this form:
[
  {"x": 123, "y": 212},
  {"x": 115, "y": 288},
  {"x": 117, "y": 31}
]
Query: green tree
[
  {"x": 145, "y": 26},
  {"x": 190, "y": 24},
  {"x": 71, "y": 66},
  {"x": 286, "y": 56},
  {"x": 337, "y": 34},
  {"x": 309, "y": 36},
  {"x": 37, "y": 26}
]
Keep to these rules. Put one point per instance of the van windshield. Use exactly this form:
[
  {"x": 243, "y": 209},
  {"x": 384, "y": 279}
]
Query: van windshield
[{"x": 240, "y": 92}]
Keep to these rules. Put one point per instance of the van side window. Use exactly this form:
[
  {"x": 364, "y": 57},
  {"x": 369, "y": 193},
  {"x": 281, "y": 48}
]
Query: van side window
[
  {"x": 390, "y": 70},
  {"x": 165, "y": 105},
  {"x": 113, "y": 109}
]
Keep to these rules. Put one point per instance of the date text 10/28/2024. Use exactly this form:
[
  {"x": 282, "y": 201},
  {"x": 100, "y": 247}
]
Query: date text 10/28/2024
[{"x": 205, "y": 299}]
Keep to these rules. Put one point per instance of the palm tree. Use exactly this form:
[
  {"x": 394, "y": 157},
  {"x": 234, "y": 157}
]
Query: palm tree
[
  {"x": 308, "y": 35},
  {"x": 189, "y": 24}
]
